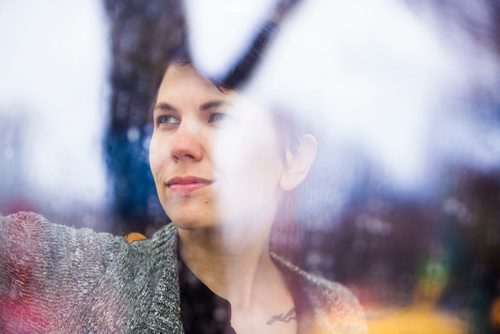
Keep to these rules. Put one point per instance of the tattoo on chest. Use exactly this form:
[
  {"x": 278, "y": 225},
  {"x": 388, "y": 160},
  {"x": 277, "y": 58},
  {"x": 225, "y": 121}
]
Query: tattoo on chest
[{"x": 284, "y": 317}]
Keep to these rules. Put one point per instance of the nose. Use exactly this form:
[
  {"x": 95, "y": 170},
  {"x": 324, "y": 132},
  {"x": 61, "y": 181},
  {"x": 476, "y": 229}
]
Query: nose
[{"x": 187, "y": 144}]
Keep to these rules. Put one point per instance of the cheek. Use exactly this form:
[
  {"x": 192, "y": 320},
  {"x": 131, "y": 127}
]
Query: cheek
[
  {"x": 249, "y": 146},
  {"x": 158, "y": 156},
  {"x": 248, "y": 159}
]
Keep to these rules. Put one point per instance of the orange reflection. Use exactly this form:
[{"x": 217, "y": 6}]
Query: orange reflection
[
  {"x": 418, "y": 318},
  {"x": 495, "y": 313},
  {"x": 134, "y": 236}
]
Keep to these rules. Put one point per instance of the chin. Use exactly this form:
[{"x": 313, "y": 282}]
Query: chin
[
  {"x": 188, "y": 222},
  {"x": 191, "y": 214}
]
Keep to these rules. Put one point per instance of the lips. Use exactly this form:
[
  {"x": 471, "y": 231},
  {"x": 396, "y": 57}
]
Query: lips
[{"x": 184, "y": 185}]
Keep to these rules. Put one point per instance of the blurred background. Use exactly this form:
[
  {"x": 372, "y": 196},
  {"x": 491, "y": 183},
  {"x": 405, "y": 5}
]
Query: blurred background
[{"x": 403, "y": 205}]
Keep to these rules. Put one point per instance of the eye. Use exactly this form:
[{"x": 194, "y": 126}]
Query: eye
[
  {"x": 167, "y": 119},
  {"x": 217, "y": 117}
]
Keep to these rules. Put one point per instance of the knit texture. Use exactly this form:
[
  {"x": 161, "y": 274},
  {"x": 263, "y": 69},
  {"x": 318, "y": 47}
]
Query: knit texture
[{"x": 58, "y": 279}]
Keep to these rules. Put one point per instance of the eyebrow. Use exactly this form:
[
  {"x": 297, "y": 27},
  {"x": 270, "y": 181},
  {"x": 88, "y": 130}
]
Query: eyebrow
[
  {"x": 204, "y": 107},
  {"x": 165, "y": 107},
  {"x": 213, "y": 105}
]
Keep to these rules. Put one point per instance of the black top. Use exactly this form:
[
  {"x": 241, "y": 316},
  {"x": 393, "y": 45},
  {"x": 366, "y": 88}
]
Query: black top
[{"x": 203, "y": 311}]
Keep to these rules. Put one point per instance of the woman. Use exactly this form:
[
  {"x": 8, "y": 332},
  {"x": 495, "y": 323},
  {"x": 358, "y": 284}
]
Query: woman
[{"x": 212, "y": 269}]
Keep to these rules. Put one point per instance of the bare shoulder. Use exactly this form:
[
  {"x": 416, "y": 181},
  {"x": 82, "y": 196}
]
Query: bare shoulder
[{"x": 336, "y": 309}]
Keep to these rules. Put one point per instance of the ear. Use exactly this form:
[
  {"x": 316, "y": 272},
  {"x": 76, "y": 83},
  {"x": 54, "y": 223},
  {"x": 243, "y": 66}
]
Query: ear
[{"x": 299, "y": 163}]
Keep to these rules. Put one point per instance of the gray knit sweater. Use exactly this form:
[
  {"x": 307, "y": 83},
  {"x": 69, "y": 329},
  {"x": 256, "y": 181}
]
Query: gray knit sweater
[{"x": 58, "y": 279}]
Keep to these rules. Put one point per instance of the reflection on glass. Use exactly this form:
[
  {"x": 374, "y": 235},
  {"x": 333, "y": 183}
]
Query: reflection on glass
[{"x": 401, "y": 203}]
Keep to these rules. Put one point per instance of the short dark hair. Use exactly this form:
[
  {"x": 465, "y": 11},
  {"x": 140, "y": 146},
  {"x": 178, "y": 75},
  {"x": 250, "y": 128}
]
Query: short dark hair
[{"x": 239, "y": 74}]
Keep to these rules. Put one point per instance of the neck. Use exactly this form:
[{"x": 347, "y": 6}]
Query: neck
[{"x": 233, "y": 264}]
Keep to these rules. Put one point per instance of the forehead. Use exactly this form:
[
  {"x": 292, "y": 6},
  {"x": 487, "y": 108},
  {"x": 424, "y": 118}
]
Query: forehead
[{"x": 185, "y": 83}]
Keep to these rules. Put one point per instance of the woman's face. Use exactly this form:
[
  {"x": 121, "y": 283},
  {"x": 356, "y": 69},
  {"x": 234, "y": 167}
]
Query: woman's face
[{"x": 214, "y": 157}]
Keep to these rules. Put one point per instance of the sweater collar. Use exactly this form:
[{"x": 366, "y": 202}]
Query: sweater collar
[{"x": 164, "y": 316}]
